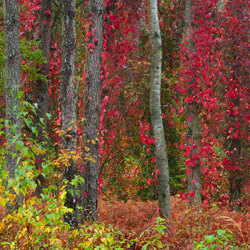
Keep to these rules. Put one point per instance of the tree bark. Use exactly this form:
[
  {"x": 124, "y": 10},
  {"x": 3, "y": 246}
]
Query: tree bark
[
  {"x": 193, "y": 123},
  {"x": 92, "y": 110},
  {"x": 155, "y": 112},
  {"x": 41, "y": 86},
  {"x": 220, "y": 5},
  {"x": 68, "y": 105},
  {"x": 237, "y": 61},
  {"x": 13, "y": 86}
]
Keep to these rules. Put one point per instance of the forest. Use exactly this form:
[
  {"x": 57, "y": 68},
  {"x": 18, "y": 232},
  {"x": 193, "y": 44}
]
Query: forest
[{"x": 124, "y": 124}]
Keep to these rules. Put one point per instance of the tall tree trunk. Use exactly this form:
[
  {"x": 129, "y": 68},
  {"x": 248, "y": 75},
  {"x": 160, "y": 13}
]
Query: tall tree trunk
[
  {"x": 193, "y": 123},
  {"x": 220, "y": 5},
  {"x": 12, "y": 83},
  {"x": 68, "y": 104},
  {"x": 236, "y": 177},
  {"x": 41, "y": 86},
  {"x": 155, "y": 112},
  {"x": 92, "y": 109},
  {"x": 239, "y": 81}
]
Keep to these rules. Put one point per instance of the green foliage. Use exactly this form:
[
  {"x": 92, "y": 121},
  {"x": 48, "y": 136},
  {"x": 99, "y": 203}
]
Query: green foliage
[
  {"x": 31, "y": 58},
  {"x": 153, "y": 241},
  {"x": 223, "y": 240},
  {"x": 38, "y": 218},
  {"x": 98, "y": 236}
]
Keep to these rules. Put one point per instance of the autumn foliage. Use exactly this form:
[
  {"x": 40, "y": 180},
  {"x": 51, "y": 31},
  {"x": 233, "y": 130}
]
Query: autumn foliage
[{"x": 207, "y": 71}]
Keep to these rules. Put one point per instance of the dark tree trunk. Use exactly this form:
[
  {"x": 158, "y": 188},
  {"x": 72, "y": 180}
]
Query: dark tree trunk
[
  {"x": 236, "y": 60},
  {"x": 12, "y": 83},
  {"x": 236, "y": 177},
  {"x": 68, "y": 104},
  {"x": 41, "y": 86},
  {"x": 92, "y": 110},
  {"x": 193, "y": 123},
  {"x": 156, "y": 115}
]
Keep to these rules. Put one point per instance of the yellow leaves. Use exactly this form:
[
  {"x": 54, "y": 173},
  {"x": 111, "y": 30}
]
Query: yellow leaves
[
  {"x": 55, "y": 242},
  {"x": 2, "y": 226},
  {"x": 62, "y": 195},
  {"x": 75, "y": 233},
  {"x": 11, "y": 198},
  {"x": 105, "y": 241},
  {"x": 47, "y": 230},
  {"x": 3, "y": 201},
  {"x": 86, "y": 148},
  {"x": 89, "y": 242},
  {"x": 24, "y": 231},
  {"x": 65, "y": 158},
  {"x": 2, "y": 189},
  {"x": 101, "y": 231},
  {"x": 90, "y": 159},
  {"x": 9, "y": 218},
  {"x": 32, "y": 201},
  {"x": 93, "y": 141}
]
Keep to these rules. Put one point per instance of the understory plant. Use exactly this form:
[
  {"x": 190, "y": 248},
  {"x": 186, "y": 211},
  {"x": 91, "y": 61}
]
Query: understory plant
[{"x": 223, "y": 239}]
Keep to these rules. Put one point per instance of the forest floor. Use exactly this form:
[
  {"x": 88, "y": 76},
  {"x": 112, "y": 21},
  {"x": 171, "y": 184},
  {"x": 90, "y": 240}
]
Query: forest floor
[{"x": 188, "y": 225}]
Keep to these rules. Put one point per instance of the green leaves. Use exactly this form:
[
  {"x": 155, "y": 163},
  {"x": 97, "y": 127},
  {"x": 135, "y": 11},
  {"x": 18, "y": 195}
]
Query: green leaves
[
  {"x": 223, "y": 238},
  {"x": 31, "y": 58}
]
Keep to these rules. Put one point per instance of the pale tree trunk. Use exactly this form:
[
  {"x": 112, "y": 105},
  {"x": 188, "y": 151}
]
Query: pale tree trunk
[
  {"x": 12, "y": 83},
  {"x": 92, "y": 110},
  {"x": 68, "y": 104},
  {"x": 220, "y": 5},
  {"x": 156, "y": 115},
  {"x": 41, "y": 86},
  {"x": 193, "y": 123}
]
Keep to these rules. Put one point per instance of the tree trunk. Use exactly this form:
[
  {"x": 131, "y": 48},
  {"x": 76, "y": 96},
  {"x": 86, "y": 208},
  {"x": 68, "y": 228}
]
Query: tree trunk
[
  {"x": 68, "y": 104},
  {"x": 92, "y": 110},
  {"x": 193, "y": 123},
  {"x": 220, "y": 5},
  {"x": 236, "y": 178},
  {"x": 41, "y": 86},
  {"x": 236, "y": 59},
  {"x": 12, "y": 83},
  {"x": 155, "y": 112}
]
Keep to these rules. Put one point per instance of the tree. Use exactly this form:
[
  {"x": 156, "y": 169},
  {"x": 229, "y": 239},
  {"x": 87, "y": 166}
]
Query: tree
[
  {"x": 92, "y": 108},
  {"x": 68, "y": 104},
  {"x": 41, "y": 86},
  {"x": 13, "y": 86},
  {"x": 193, "y": 123},
  {"x": 235, "y": 21},
  {"x": 156, "y": 115}
]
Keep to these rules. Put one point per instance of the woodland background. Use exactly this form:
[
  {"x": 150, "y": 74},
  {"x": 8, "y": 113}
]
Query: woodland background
[{"x": 205, "y": 98}]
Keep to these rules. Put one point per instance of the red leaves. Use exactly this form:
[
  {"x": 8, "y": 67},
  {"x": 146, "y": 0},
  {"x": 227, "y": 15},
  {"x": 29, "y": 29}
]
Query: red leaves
[
  {"x": 236, "y": 136},
  {"x": 188, "y": 171},
  {"x": 189, "y": 99},
  {"x": 191, "y": 194}
]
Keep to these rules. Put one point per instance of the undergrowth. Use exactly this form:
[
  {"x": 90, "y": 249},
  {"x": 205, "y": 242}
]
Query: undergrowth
[
  {"x": 132, "y": 225},
  {"x": 37, "y": 224}
]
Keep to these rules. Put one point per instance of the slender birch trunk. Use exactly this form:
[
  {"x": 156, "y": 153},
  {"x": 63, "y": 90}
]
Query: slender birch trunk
[
  {"x": 13, "y": 86},
  {"x": 41, "y": 86},
  {"x": 155, "y": 112},
  {"x": 92, "y": 110},
  {"x": 68, "y": 104},
  {"x": 193, "y": 123}
]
